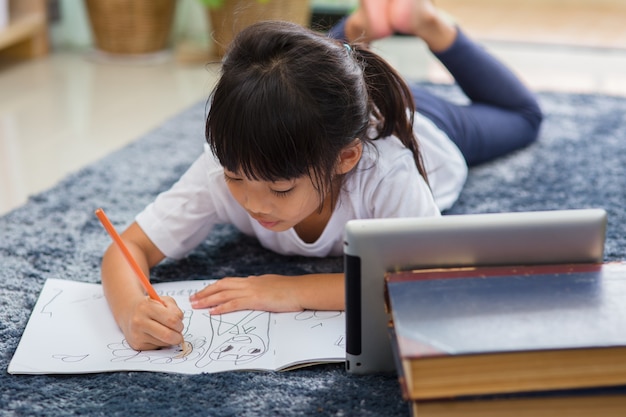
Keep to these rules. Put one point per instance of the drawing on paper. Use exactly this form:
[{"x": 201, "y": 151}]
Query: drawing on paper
[
  {"x": 82, "y": 336},
  {"x": 240, "y": 339},
  {"x": 69, "y": 358},
  {"x": 45, "y": 309}
]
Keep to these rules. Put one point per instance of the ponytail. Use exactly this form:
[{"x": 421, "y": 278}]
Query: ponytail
[{"x": 392, "y": 102}]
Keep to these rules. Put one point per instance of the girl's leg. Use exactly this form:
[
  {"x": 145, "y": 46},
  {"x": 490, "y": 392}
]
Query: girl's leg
[
  {"x": 339, "y": 30},
  {"x": 502, "y": 116}
]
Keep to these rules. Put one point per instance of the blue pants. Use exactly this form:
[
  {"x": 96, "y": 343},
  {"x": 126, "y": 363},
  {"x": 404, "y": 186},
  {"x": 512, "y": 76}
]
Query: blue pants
[{"x": 502, "y": 115}]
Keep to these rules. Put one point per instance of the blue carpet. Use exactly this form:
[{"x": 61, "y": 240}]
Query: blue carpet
[{"x": 577, "y": 163}]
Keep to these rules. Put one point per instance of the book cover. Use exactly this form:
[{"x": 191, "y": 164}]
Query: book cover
[{"x": 473, "y": 331}]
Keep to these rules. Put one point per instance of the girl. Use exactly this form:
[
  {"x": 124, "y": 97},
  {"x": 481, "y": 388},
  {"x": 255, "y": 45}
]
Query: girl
[{"x": 305, "y": 133}]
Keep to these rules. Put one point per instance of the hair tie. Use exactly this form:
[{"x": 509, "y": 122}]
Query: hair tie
[{"x": 347, "y": 47}]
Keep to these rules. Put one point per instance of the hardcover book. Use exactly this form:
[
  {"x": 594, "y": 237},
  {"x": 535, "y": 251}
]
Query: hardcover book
[
  {"x": 492, "y": 330},
  {"x": 605, "y": 402}
]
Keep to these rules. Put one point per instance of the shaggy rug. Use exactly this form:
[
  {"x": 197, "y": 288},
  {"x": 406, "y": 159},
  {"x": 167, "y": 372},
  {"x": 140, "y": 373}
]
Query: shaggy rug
[{"x": 577, "y": 163}]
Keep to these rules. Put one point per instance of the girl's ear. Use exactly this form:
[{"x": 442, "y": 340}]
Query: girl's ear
[{"x": 349, "y": 157}]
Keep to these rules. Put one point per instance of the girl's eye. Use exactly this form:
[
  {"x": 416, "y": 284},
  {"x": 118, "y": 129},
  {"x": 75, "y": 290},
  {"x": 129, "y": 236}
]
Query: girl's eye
[
  {"x": 282, "y": 193},
  {"x": 230, "y": 179}
]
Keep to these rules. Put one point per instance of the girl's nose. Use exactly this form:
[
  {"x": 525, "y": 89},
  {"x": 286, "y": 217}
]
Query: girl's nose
[{"x": 255, "y": 203}]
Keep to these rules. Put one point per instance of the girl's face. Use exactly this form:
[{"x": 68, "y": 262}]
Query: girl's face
[{"x": 277, "y": 206}]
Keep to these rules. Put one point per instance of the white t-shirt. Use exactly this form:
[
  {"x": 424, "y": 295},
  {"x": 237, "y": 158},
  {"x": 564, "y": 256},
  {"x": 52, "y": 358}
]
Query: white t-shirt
[{"x": 384, "y": 184}]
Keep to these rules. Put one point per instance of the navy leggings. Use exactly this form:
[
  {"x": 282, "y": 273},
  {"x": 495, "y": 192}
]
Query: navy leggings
[{"x": 502, "y": 114}]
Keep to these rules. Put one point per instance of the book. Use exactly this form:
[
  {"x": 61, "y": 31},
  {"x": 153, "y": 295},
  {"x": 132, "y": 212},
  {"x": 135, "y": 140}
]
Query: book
[
  {"x": 71, "y": 330},
  {"x": 605, "y": 402},
  {"x": 493, "y": 330}
]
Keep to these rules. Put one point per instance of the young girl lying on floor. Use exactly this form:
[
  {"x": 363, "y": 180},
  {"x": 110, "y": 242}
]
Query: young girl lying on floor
[{"x": 307, "y": 131}]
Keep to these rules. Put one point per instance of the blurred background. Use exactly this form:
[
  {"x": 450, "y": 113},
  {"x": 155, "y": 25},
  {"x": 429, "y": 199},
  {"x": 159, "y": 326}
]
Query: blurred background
[{"x": 82, "y": 78}]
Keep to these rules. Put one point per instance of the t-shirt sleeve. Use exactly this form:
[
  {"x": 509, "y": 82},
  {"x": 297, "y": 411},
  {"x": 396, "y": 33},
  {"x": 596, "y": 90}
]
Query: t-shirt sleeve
[
  {"x": 389, "y": 185},
  {"x": 444, "y": 163},
  {"x": 180, "y": 218},
  {"x": 403, "y": 192}
]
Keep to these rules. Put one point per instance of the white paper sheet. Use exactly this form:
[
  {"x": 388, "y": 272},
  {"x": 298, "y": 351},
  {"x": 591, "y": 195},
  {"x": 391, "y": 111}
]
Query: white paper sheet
[{"x": 71, "y": 330}]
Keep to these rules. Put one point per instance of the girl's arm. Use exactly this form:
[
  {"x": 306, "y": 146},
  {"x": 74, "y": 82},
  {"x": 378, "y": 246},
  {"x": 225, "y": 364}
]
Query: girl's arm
[
  {"x": 276, "y": 293},
  {"x": 146, "y": 323}
]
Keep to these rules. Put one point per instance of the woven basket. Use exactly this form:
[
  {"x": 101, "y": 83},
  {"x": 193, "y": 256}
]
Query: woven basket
[
  {"x": 131, "y": 26},
  {"x": 235, "y": 15}
]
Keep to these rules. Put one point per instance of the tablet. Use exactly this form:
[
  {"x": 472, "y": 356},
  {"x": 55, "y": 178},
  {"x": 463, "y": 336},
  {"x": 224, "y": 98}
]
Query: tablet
[{"x": 373, "y": 247}]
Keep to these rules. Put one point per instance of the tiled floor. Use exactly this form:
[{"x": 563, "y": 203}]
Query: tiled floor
[
  {"x": 65, "y": 111},
  {"x": 62, "y": 112}
]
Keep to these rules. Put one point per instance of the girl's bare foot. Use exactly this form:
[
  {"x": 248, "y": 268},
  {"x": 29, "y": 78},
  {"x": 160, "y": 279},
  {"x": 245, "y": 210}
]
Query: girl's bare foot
[
  {"x": 376, "y": 19},
  {"x": 422, "y": 19},
  {"x": 377, "y": 14},
  {"x": 409, "y": 16},
  {"x": 359, "y": 26}
]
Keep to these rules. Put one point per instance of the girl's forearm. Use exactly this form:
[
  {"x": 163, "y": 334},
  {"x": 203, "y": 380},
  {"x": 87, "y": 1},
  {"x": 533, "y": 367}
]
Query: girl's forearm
[
  {"x": 322, "y": 291},
  {"x": 119, "y": 283}
]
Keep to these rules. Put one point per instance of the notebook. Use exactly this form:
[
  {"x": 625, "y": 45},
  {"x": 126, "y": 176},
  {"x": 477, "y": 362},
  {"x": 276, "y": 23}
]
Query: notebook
[{"x": 373, "y": 247}]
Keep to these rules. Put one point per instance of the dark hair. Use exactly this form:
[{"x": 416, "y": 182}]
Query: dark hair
[{"x": 290, "y": 99}]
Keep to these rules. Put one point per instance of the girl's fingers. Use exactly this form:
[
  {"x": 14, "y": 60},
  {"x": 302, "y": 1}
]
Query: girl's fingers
[
  {"x": 216, "y": 298},
  {"x": 227, "y": 307},
  {"x": 154, "y": 325},
  {"x": 199, "y": 299}
]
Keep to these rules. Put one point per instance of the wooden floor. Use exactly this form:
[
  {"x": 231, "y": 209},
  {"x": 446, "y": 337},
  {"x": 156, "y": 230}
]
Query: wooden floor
[{"x": 592, "y": 23}]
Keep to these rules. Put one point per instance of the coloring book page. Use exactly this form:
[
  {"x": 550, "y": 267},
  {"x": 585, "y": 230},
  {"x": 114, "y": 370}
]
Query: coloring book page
[{"x": 72, "y": 330}]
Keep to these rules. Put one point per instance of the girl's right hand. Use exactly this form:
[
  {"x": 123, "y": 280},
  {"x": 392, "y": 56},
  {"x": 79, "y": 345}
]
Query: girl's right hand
[{"x": 151, "y": 325}]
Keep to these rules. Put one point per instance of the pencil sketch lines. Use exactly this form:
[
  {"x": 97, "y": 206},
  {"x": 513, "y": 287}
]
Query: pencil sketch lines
[
  {"x": 341, "y": 341},
  {"x": 70, "y": 358},
  {"x": 316, "y": 317},
  {"x": 92, "y": 297},
  {"x": 240, "y": 339},
  {"x": 122, "y": 352},
  {"x": 44, "y": 309}
]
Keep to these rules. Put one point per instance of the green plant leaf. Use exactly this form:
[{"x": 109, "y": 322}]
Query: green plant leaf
[
  {"x": 212, "y": 4},
  {"x": 216, "y": 4}
]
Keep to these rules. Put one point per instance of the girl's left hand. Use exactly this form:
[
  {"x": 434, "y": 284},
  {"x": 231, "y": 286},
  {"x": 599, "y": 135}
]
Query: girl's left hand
[{"x": 276, "y": 293}]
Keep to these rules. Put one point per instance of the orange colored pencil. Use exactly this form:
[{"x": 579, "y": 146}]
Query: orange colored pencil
[{"x": 129, "y": 257}]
